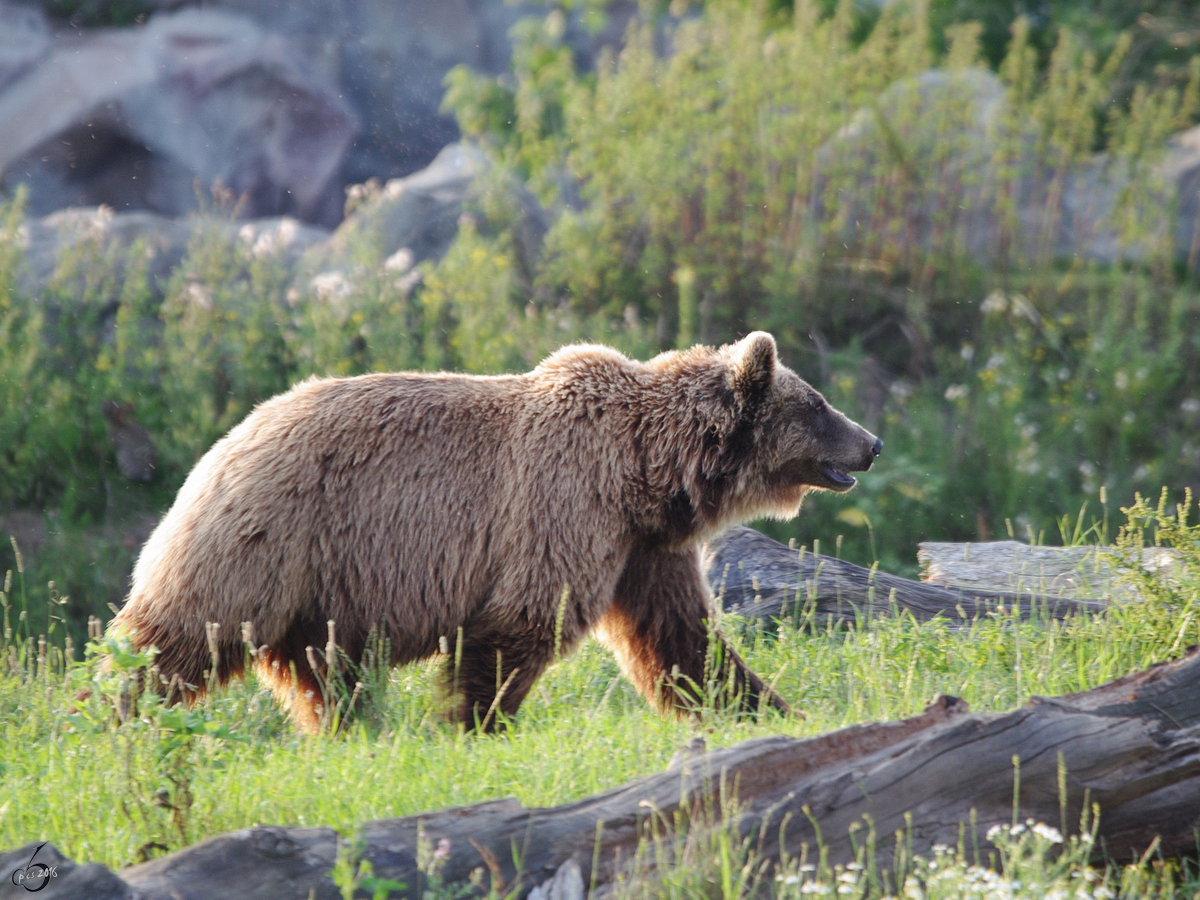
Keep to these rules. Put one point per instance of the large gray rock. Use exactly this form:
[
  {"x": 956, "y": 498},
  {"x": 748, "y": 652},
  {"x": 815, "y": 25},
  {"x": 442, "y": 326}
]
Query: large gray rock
[
  {"x": 410, "y": 220},
  {"x": 418, "y": 213},
  {"x": 284, "y": 104},
  {"x": 1180, "y": 174},
  {"x": 144, "y": 118},
  {"x": 395, "y": 226},
  {"x": 24, "y": 37},
  {"x": 938, "y": 162},
  {"x": 391, "y": 60}
]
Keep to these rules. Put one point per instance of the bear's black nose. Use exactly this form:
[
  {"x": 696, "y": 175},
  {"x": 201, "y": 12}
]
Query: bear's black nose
[{"x": 878, "y": 448}]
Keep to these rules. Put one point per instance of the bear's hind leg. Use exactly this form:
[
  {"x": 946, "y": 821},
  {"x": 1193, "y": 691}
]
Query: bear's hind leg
[
  {"x": 184, "y": 661},
  {"x": 658, "y": 628}
]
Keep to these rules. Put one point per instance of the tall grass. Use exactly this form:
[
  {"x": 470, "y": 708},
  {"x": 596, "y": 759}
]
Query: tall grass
[{"x": 118, "y": 792}]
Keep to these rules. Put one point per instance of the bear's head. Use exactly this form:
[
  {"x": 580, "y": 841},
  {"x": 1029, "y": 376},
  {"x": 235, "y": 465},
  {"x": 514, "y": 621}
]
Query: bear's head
[{"x": 795, "y": 440}]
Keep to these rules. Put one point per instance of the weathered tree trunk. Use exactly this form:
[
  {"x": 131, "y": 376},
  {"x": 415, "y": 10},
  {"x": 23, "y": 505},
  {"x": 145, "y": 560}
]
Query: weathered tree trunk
[
  {"x": 1131, "y": 746},
  {"x": 761, "y": 578},
  {"x": 1063, "y": 571}
]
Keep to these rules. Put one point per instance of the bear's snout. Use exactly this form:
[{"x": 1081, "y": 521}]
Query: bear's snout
[
  {"x": 859, "y": 450},
  {"x": 872, "y": 453},
  {"x": 868, "y": 454}
]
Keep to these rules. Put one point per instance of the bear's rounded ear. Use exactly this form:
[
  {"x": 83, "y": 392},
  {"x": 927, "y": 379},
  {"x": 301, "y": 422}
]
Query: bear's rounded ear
[{"x": 754, "y": 363}]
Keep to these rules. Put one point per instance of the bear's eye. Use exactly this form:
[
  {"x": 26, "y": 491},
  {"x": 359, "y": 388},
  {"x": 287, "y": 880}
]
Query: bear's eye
[
  {"x": 821, "y": 407},
  {"x": 805, "y": 406}
]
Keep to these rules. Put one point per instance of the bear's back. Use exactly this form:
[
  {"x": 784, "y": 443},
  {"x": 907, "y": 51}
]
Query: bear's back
[{"x": 382, "y": 495}]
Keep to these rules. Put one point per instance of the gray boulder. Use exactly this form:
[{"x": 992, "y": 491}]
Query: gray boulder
[
  {"x": 1180, "y": 174},
  {"x": 391, "y": 60},
  {"x": 39, "y": 866},
  {"x": 393, "y": 226},
  {"x": 145, "y": 117},
  {"x": 418, "y": 213},
  {"x": 409, "y": 220},
  {"x": 960, "y": 175},
  {"x": 283, "y": 105}
]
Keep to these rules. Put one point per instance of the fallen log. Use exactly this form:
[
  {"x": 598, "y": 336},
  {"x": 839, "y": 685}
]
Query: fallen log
[
  {"x": 1064, "y": 571},
  {"x": 1131, "y": 746},
  {"x": 760, "y": 578}
]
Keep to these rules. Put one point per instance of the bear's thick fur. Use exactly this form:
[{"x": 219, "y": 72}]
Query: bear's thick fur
[{"x": 415, "y": 505}]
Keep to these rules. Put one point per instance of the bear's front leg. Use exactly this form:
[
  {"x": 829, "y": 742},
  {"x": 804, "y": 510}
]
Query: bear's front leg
[
  {"x": 492, "y": 674},
  {"x": 659, "y": 629}
]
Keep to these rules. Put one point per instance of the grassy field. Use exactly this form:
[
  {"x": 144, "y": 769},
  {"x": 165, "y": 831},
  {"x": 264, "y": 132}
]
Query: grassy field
[
  {"x": 1010, "y": 387},
  {"x": 120, "y": 794}
]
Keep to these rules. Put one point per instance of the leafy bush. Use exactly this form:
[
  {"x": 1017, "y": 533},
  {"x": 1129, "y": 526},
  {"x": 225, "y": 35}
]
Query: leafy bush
[{"x": 787, "y": 173}]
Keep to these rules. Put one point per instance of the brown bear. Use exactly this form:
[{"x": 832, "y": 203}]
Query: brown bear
[{"x": 457, "y": 511}]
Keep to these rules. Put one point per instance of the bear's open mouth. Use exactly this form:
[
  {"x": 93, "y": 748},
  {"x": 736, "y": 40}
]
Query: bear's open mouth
[{"x": 837, "y": 479}]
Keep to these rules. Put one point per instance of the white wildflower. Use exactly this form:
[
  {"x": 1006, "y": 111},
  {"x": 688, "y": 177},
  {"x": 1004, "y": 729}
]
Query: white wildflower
[
  {"x": 995, "y": 302},
  {"x": 199, "y": 294},
  {"x": 287, "y": 231},
  {"x": 1047, "y": 832},
  {"x": 265, "y": 246},
  {"x": 1022, "y": 307},
  {"x": 331, "y": 286},
  {"x": 400, "y": 261},
  {"x": 410, "y": 280}
]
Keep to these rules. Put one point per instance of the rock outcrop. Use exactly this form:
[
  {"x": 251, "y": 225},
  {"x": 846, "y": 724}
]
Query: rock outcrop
[{"x": 156, "y": 117}]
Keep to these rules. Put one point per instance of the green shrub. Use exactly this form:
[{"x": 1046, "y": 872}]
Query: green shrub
[
  {"x": 709, "y": 191},
  {"x": 223, "y": 346}
]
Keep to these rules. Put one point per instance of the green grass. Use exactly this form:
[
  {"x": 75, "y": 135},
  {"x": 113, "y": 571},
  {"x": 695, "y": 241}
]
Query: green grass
[{"x": 118, "y": 794}]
